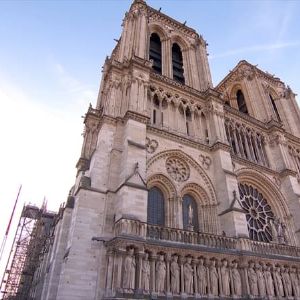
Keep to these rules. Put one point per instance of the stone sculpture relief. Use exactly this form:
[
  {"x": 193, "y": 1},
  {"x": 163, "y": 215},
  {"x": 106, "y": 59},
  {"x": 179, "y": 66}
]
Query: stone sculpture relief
[
  {"x": 146, "y": 273},
  {"x": 151, "y": 145},
  {"x": 261, "y": 281},
  {"x": 269, "y": 282},
  {"x": 129, "y": 271},
  {"x": 217, "y": 279},
  {"x": 160, "y": 274},
  {"x": 188, "y": 276},
  {"x": 177, "y": 169},
  {"x": 294, "y": 282},
  {"x": 175, "y": 275},
  {"x": 205, "y": 161},
  {"x": 214, "y": 279},
  {"x": 278, "y": 282},
  {"x": 202, "y": 277},
  {"x": 252, "y": 278},
  {"x": 278, "y": 231},
  {"x": 236, "y": 280},
  {"x": 287, "y": 282},
  {"x": 225, "y": 280}
]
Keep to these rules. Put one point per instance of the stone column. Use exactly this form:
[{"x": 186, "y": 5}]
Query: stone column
[
  {"x": 153, "y": 258},
  {"x": 181, "y": 263},
  {"x": 109, "y": 272}
]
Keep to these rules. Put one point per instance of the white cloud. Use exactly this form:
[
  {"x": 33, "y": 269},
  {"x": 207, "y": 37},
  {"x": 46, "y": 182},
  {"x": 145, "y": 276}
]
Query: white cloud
[{"x": 256, "y": 48}]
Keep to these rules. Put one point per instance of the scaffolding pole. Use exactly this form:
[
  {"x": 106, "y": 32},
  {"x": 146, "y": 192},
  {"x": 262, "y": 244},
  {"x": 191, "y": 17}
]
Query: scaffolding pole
[{"x": 18, "y": 277}]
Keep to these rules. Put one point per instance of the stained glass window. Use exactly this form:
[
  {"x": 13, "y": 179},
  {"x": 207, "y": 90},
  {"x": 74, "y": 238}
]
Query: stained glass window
[
  {"x": 259, "y": 213},
  {"x": 155, "y": 210}
]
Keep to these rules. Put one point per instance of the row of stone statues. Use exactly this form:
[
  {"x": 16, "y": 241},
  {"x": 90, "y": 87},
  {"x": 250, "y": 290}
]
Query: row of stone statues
[
  {"x": 267, "y": 280},
  {"x": 174, "y": 274}
]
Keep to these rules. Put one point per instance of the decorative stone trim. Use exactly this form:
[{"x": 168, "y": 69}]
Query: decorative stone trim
[{"x": 177, "y": 169}]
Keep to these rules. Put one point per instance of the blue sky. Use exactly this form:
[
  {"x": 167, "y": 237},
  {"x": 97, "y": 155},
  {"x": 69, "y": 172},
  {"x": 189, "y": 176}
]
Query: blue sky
[{"x": 51, "y": 55}]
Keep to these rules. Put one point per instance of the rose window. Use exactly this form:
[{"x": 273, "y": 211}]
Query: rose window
[
  {"x": 259, "y": 213},
  {"x": 178, "y": 169}
]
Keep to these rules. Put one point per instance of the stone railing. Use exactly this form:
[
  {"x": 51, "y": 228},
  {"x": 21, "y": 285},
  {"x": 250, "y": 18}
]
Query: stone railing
[{"x": 137, "y": 229}]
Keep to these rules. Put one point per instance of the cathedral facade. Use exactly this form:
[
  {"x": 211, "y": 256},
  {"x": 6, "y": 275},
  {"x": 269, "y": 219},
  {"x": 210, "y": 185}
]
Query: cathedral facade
[{"x": 183, "y": 189}]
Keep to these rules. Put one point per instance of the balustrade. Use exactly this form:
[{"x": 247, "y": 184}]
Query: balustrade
[{"x": 127, "y": 227}]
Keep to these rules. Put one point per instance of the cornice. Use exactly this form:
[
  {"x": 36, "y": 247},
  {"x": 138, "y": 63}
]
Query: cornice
[
  {"x": 136, "y": 116},
  {"x": 181, "y": 27},
  {"x": 177, "y": 138},
  {"x": 253, "y": 165},
  {"x": 179, "y": 87}
]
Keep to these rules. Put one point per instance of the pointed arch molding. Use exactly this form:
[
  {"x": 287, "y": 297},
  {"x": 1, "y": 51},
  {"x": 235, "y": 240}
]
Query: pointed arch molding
[
  {"x": 210, "y": 198},
  {"x": 197, "y": 192},
  {"x": 163, "y": 183},
  {"x": 270, "y": 191}
]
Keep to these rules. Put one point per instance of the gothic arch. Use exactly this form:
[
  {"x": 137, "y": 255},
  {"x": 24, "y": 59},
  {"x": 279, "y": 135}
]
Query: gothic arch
[
  {"x": 158, "y": 29},
  {"x": 182, "y": 43},
  {"x": 267, "y": 187},
  {"x": 207, "y": 209},
  {"x": 163, "y": 183},
  {"x": 197, "y": 192},
  {"x": 180, "y": 154},
  {"x": 272, "y": 194}
]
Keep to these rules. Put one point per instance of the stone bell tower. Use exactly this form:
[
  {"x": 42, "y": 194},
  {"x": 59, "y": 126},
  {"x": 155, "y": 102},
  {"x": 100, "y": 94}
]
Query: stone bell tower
[{"x": 181, "y": 190}]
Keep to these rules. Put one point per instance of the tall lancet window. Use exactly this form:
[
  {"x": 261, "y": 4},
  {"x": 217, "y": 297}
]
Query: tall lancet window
[
  {"x": 241, "y": 102},
  {"x": 177, "y": 63},
  {"x": 155, "y": 210},
  {"x": 275, "y": 108},
  {"x": 155, "y": 52},
  {"x": 190, "y": 213}
]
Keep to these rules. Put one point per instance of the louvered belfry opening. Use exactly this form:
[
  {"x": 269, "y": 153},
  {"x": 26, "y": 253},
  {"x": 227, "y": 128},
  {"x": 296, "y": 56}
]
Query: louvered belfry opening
[
  {"x": 241, "y": 102},
  {"x": 155, "y": 52},
  {"x": 177, "y": 63}
]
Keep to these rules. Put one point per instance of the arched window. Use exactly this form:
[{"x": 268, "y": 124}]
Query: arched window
[
  {"x": 177, "y": 63},
  {"x": 190, "y": 213},
  {"x": 275, "y": 107},
  {"x": 155, "y": 52},
  {"x": 241, "y": 102},
  {"x": 155, "y": 209}
]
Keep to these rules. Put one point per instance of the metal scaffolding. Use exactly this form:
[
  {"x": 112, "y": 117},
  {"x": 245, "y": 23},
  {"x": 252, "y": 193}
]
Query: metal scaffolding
[{"x": 23, "y": 256}]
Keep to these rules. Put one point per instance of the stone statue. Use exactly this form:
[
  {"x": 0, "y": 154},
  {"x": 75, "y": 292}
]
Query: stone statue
[
  {"x": 295, "y": 282},
  {"x": 202, "y": 277},
  {"x": 225, "y": 279},
  {"x": 214, "y": 278},
  {"x": 129, "y": 270},
  {"x": 287, "y": 283},
  {"x": 278, "y": 282},
  {"x": 284, "y": 233},
  {"x": 252, "y": 278},
  {"x": 260, "y": 281},
  {"x": 280, "y": 232},
  {"x": 175, "y": 275},
  {"x": 160, "y": 274},
  {"x": 269, "y": 282},
  {"x": 273, "y": 231},
  {"x": 190, "y": 215},
  {"x": 146, "y": 273},
  {"x": 236, "y": 280},
  {"x": 188, "y": 276}
]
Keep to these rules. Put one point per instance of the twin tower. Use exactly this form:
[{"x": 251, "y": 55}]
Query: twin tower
[{"x": 183, "y": 190}]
